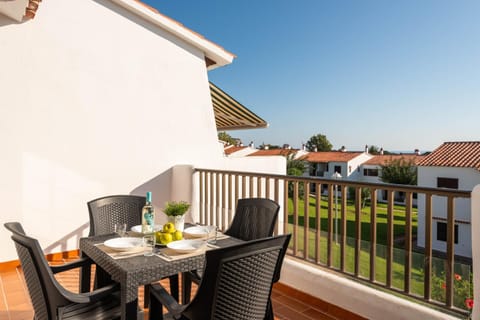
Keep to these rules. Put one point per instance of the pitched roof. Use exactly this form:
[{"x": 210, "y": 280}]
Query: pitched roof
[
  {"x": 330, "y": 156},
  {"x": 464, "y": 154},
  {"x": 383, "y": 159},
  {"x": 232, "y": 149},
  {"x": 274, "y": 152}
]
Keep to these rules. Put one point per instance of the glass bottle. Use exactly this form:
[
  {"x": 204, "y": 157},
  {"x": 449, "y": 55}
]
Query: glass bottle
[{"x": 148, "y": 215}]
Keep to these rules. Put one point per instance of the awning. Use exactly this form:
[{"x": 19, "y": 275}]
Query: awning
[{"x": 232, "y": 115}]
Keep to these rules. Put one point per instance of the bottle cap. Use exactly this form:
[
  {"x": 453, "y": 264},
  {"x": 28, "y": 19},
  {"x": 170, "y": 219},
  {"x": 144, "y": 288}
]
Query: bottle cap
[{"x": 149, "y": 196}]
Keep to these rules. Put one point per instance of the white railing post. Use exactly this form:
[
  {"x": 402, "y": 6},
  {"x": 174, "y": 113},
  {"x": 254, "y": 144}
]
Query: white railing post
[{"x": 475, "y": 218}]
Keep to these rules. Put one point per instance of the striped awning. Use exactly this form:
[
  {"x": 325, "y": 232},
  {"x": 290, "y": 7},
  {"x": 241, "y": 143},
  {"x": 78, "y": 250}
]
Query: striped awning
[{"x": 232, "y": 115}]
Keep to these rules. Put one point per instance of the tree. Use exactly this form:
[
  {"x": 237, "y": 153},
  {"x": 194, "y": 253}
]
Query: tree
[
  {"x": 399, "y": 171},
  {"x": 373, "y": 150},
  {"x": 365, "y": 195},
  {"x": 295, "y": 167},
  {"x": 320, "y": 142},
  {"x": 226, "y": 137}
]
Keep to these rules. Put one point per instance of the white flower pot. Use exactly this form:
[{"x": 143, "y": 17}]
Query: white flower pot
[{"x": 178, "y": 221}]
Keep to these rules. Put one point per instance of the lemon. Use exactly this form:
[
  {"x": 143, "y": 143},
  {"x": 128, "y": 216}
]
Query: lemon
[
  {"x": 169, "y": 227},
  {"x": 177, "y": 235},
  {"x": 164, "y": 237}
]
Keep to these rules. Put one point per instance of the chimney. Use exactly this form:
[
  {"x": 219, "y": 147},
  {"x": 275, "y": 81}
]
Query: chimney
[
  {"x": 381, "y": 151},
  {"x": 366, "y": 148},
  {"x": 417, "y": 152},
  {"x": 251, "y": 145},
  {"x": 266, "y": 147},
  {"x": 343, "y": 149},
  {"x": 315, "y": 149},
  {"x": 304, "y": 147}
]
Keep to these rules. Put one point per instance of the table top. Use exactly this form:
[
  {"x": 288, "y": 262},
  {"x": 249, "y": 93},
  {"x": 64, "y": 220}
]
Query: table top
[{"x": 138, "y": 270}]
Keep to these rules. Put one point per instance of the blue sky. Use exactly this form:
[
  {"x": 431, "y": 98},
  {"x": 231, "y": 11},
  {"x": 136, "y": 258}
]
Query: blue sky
[{"x": 396, "y": 74}]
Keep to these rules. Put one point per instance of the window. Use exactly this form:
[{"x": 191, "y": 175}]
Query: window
[
  {"x": 447, "y": 183},
  {"x": 370, "y": 172},
  {"x": 442, "y": 232},
  {"x": 338, "y": 169}
]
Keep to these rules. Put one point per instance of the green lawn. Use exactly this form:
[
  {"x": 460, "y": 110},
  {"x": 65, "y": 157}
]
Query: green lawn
[
  {"x": 399, "y": 218},
  {"x": 416, "y": 276}
]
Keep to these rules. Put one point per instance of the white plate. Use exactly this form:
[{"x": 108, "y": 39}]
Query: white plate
[
  {"x": 138, "y": 229},
  {"x": 197, "y": 231},
  {"x": 123, "y": 244},
  {"x": 186, "y": 246}
]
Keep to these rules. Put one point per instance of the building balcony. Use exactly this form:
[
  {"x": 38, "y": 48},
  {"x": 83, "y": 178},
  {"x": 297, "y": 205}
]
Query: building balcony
[{"x": 350, "y": 257}]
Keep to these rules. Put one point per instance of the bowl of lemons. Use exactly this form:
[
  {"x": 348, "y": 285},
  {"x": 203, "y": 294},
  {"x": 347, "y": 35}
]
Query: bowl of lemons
[{"x": 168, "y": 234}]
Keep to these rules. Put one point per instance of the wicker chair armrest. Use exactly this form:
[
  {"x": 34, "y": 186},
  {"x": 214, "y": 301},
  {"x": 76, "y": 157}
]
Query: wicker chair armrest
[
  {"x": 159, "y": 293},
  {"x": 84, "y": 261},
  {"x": 95, "y": 295}
]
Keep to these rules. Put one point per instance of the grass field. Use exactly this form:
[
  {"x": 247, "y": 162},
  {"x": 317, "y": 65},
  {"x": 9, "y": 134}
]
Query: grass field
[{"x": 398, "y": 269}]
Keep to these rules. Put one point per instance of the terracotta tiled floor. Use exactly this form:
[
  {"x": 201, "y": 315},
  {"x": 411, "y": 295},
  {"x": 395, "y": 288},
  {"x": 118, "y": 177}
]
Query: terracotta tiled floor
[{"x": 289, "y": 304}]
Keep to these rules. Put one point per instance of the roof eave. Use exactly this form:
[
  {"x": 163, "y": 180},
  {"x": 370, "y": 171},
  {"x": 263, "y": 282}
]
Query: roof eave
[
  {"x": 225, "y": 128},
  {"x": 213, "y": 52}
]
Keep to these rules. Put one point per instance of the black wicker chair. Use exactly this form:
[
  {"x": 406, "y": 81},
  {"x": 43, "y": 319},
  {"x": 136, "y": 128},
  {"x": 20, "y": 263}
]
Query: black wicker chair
[
  {"x": 104, "y": 213},
  {"x": 255, "y": 218},
  {"x": 237, "y": 283},
  {"x": 50, "y": 300}
]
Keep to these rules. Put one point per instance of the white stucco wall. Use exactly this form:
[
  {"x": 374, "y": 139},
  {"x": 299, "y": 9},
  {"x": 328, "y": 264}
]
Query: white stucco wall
[
  {"x": 94, "y": 101},
  {"x": 468, "y": 178}
]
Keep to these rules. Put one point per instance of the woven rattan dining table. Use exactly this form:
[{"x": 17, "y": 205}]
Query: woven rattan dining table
[{"x": 135, "y": 271}]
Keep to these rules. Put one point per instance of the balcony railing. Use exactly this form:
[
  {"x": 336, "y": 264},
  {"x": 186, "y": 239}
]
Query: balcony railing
[{"x": 366, "y": 240}]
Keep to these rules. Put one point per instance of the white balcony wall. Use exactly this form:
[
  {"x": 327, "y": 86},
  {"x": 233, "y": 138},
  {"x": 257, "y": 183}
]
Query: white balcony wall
[
  {"x": 351, "y": 295},
  {"x": 95, "y": 101}
]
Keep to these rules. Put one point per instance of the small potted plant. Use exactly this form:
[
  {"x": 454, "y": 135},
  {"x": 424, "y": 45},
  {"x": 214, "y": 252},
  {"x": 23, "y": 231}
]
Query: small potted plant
[{"x": 176, "y": 213}]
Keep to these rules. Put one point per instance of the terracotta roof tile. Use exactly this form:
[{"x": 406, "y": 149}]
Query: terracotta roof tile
[
  {"x": 329, "y": 156},
  {"x": 274, "y": 152},
  {"x": 231, "y": 149},
  {"x": 464, "y": 154},
  {"x": 380, "y": 160},
  {"x": 31, "y": 9}
]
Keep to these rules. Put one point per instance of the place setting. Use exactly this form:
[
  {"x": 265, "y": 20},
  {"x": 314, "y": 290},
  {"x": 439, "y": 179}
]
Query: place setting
[
  {"x": 192, "y": 241},
  {"x": 126, "y": 246}
]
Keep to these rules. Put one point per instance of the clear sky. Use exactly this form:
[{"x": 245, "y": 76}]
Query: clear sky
[{"x": 396, "y": 74}]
